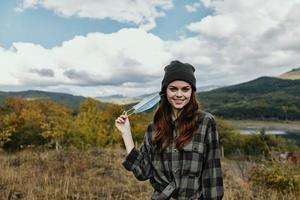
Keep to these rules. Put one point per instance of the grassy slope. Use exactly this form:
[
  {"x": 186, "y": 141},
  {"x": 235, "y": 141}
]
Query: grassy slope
[
  {"x": 293, "y": 74},
  {"x": 98, "y": 174}
]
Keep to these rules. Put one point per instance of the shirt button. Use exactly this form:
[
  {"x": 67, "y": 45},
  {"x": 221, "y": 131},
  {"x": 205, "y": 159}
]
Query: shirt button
[{"x": 176, "y": 170}]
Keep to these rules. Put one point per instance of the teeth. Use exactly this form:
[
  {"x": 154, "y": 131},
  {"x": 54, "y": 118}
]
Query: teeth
[{"x": 178, "y": 101}]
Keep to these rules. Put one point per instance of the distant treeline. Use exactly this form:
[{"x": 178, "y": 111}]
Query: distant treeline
[{"x": 42, "y": 124}]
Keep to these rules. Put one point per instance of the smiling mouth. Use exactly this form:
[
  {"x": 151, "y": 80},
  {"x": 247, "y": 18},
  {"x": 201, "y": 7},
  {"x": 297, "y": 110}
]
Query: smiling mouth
[{"x": 178, "y": 101}]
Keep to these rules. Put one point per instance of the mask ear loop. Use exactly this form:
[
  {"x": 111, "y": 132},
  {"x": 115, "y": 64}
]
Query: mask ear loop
[{"x": 131, "y": 110}]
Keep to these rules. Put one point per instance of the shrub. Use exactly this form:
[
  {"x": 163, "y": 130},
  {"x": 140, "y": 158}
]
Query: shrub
[{"x": 276, "y": 175}]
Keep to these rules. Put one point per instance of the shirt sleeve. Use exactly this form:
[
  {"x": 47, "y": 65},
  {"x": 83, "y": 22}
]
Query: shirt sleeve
[
  {"x": 138, "y": 161},
  {"x": 212, "y": 178}
]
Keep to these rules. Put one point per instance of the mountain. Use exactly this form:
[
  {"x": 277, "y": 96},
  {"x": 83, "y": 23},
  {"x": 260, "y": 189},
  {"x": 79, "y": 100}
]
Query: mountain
[
  {"x": 67, "y": 99},
  {"x": 261, "y": 98},
  {"x": 208, "y": 87},
  {"x": 293, "y": 74}
]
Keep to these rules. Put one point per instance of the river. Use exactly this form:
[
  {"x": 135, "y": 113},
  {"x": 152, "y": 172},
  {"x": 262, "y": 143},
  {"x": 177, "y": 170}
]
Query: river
[{"x": 288, "y": 134}]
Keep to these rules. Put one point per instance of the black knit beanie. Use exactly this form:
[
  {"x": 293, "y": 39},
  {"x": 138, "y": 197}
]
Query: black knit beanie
[{"x": 177, "y": 70}]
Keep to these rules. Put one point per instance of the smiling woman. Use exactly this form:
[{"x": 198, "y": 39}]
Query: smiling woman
[
  {"x": 179, "y": 94},
  {"x": 180, "y": 154}
]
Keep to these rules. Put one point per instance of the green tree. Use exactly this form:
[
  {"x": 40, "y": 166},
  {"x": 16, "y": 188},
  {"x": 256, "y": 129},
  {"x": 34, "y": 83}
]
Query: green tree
[{"x": 230, "y": 139}]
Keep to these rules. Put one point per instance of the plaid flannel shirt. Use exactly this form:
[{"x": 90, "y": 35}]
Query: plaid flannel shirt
[{"x": 191, "y": 173}]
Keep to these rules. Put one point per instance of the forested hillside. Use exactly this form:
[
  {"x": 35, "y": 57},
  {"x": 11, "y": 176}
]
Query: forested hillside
[
  {"x": 66, "y": 99},
  {"x": 262, "y": 98}
]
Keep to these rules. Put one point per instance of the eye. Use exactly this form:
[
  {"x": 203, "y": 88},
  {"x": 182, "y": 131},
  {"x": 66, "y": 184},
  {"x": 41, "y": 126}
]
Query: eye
[
  {"x": 173, "y": 89},
  {"x": 185, "y": 89}
]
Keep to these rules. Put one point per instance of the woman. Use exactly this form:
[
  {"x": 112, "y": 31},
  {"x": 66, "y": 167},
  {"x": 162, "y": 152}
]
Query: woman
[{"x": 180, "y": 153}]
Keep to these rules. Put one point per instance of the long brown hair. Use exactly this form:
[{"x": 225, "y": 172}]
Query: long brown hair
[{"x": 164, "y": 126}]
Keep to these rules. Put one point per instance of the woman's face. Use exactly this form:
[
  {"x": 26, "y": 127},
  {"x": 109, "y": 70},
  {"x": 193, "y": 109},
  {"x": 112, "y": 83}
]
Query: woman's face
[{"x": 179, "y": 94}]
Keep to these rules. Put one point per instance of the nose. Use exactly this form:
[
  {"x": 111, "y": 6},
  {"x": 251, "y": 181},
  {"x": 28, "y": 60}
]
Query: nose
[{"x": 178, "y": 93}]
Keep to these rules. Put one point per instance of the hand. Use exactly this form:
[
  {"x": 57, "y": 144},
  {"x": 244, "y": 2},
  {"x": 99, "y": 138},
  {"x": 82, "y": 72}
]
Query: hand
[{"x": 122, "y": 123}]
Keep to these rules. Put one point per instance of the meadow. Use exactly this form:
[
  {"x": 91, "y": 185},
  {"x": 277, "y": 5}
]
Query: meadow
[
  {"x": 87, "y": 161},
  {"x": 98, "y": 174}
]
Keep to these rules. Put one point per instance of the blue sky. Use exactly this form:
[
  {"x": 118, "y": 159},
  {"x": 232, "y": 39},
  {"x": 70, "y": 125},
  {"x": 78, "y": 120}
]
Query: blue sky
[
  {"x": 101, "y": 48},
  {"x": 44, "y": 27}
]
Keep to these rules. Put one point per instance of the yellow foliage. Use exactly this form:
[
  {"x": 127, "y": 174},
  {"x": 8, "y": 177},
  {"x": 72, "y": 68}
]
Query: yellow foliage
[{"x": 276, "y": 175}]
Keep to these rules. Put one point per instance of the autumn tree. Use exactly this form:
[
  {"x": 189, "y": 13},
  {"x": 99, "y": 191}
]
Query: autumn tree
[
  {"x": 57, "y": 123},
  {"x": 95, "y": 124},
  {"x": 29, "y": 123},
  {"x": 20, "y": 123}
]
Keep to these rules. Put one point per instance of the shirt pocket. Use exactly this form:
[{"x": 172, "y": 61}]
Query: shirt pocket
[{"x": 192, "y": 158}]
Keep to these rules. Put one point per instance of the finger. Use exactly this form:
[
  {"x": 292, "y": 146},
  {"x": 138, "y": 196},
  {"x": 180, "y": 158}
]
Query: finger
[
  {"x": 123, "y": 116},
  {"x": 120, "y": 120},
  {"x": 124, "y": 113}
]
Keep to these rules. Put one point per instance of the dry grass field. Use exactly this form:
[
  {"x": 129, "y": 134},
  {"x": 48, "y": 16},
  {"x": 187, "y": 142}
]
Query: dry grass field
[{"x": 98, "y": 174}]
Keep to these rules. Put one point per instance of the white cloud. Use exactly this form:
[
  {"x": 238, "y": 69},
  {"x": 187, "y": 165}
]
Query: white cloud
[
  {"x": 127, "y": 56},
  {"x": 193, "y": 8},
  {"x": 246, "y": 39},
  {"x": 250, "y": 17},
  {"x": 219, "y": 26},
  {"x": 211, "y": 3},
  {"x": 140, "y": 12},
  {"x": 240, "y": 41}
]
